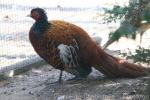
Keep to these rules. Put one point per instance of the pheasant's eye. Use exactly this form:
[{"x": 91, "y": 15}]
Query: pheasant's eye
[{"x": 35, "y": 15}]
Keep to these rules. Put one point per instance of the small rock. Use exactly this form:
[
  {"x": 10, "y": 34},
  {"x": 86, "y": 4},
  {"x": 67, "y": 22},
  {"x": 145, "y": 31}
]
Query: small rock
[
  {"x": 31, "y": 93},
  {"x": 61, "y": 97},
  {"x": 5, "y": 92},
  {"x": 133, "y": 92},
  {"x": 38, "y": 95},
  {"x": 124, "y": 94},
  {"x": 50, "y": 70},
  {"x": 23, "y": 88},
  {"x": 11, "y": 86},
  {"x": 53, "y": 91}
]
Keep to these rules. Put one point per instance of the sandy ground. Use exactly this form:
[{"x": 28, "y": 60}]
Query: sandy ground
[
  {"x": 41, "y": 84},
  {"x": 38, "y": 84}
]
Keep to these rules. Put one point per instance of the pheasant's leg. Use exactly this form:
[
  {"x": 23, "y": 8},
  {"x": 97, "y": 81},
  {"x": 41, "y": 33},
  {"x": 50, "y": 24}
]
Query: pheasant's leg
[
  {"x": 60, "y": 76},
  {"x": 59, "y": 81}
]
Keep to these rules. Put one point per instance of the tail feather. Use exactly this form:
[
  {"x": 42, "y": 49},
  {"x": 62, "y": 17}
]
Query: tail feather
[
  {"x": 132, "y": 70},
  {"x": 114, "y": 67}
]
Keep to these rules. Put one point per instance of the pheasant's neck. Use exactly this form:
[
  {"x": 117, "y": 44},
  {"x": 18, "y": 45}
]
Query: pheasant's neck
[{"x": 40, "y": 26}]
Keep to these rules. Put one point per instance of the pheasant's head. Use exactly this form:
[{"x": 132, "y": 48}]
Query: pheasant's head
[
  {"x": 41, "y": 24},
  {"x": 38, "y": 14}
]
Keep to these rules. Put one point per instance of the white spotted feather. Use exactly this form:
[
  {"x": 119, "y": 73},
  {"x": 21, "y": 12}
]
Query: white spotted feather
[{"x": 69, "y": 55}]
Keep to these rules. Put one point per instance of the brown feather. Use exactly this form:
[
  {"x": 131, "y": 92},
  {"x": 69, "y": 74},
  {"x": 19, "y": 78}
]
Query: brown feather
[{"x": 60, "y": 32}]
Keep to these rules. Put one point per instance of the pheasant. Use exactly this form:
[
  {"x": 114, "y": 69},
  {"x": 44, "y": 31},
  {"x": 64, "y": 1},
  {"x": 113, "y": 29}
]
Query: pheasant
[{"x": 69, "y": 48}]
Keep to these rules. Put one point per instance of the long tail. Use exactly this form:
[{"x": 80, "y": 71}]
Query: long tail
[{"x": 114, "y": 67}]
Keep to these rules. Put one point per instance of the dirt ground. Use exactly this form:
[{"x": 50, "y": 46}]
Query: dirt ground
[{"x": 41, "y": 84}]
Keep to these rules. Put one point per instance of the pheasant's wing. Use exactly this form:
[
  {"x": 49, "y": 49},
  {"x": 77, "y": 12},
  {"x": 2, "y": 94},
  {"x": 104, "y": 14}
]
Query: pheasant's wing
[
  {"x": 64, "y": 55},
  {"x": 70, "y": 58}
]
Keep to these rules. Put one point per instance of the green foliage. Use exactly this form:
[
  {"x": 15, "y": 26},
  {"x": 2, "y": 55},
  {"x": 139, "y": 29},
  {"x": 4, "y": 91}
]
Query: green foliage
[
  {"x": 131, "y": 17},
  {"x": 139, "y": 55},
  {"x": 114, "y": 14},
  {"x": 126, "y": 30},
  {"x": 146, "y": 15}
]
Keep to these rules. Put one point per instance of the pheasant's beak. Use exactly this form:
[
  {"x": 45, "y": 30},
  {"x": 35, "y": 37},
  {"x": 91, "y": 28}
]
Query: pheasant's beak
[{"x": 29, "y": 15}]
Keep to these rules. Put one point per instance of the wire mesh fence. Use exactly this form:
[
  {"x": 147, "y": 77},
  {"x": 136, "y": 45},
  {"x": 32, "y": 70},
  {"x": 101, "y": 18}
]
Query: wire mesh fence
[{"x": 15, "y": 48}]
